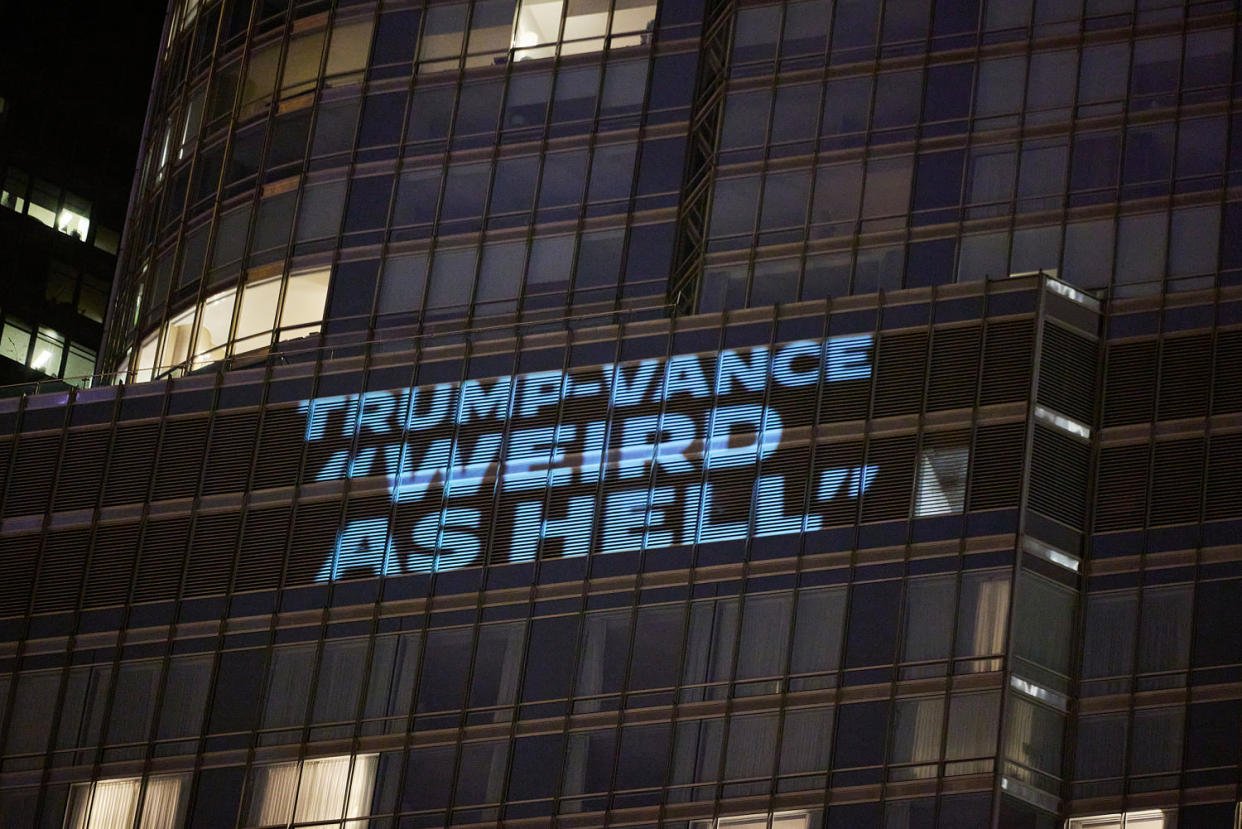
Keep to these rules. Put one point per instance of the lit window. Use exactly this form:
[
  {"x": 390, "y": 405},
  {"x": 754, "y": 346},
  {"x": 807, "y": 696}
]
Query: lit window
[
  {"x": 304, "y": 301},
  {"x": 327, "y": 788},
  {"x": 348, "y": 51},
  {"x": 75, "y": 217},
  {"x": 146, "y": 358},
  {"x": 213, "y": 328},
  {"x": 442, "y": 37},
  {"x": 163, "y": 155},
  {"x": 257, "y": 317},
  {"x": 47, "y": 353},
  {"x": 302, "y": 63},
  {"x": 44, "y": 203},
  {"x": 176, "y": 341},
  {"x": 538, "y": 23},
  {"x": 79, "y": 365},
  {"x": 193, "y": 118},
  {"x": 773, "y": 820},
  {"x": 941, "y": 480},
  {"x": 587, "y": 23},
  {"x": 260, "y": 78},
  {"x": 1154, "y": 819},
  {"x": 107, "y": 804},
  {"x": 15, "y": 340}
]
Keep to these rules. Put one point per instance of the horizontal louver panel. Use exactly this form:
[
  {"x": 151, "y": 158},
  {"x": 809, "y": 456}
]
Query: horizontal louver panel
[
  {"x": 829, "y": 457},
  {"x": 81, "y": 474},
  {"x": 729, "y": 501},
  {"x": 112, "y": 565},
  {"x": 1185, "y": 377},
  {"x": 1059, "y": 470},
  {"x": 262, "y": 555},
  {"x": 1121, "y": 487},
  {"x": 280, "y": 447},
  {"x": 954, "y": 368},
  {"x": 1177, "y": 481},
  {"x": 889, "y": 495},
  {"x": 1007, "y": 351},
  {"x": 314, "y": 540},
  {"x": 996, "y": 466},
  {"x": 900, "y": 374},
  {"x": 181, "y": 459},
  {"x": 1130, "y": 384},
  {"x": 1224, "y": 478},
  {"x": 61, "y": 570},
  {"x": 1067, "y": 373},
  {"x": 1227, "y": 379},
  {"x": 30, "y": 483},
  {"x": 164, "y": 545},
  {"x": 21, "y": 560},
  {"x": 129, "y": 469},
  {"x": 211, "y": 554},
  {"x": 233, "y": 437},
  {"x": 6, "y": 447}
]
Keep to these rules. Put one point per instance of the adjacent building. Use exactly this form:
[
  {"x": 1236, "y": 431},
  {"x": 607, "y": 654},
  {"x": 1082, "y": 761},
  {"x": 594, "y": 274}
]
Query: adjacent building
[
  {"x": 649, "y": 413},
  {"x": 57, "y": 259}
]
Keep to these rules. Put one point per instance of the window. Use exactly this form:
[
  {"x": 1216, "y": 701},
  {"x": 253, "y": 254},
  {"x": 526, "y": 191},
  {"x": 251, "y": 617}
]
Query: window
[
  {"x": 79, "y": 365},
  {"x": 257, "y": 317},
  {"x": 305, "y": 295},
  {"x": 324, "y": 788},
  {"x": 93, "y": 298},
  {"x": 44, "y": 203},
  {"x": 48, "y": 350},
  {"x": 213, "y": 328},
  {"x": 1155, "y": 819},
  {"x": 105, "y": 804},
  {"x": 304, "y": 302},
  {"x": 348, "y": 51},
  {"x": 941, "y": 486},
  {"x": 75, "y": 217},
  {"x": 13, "y": 192},
  {"x": 773, "y": 820}
]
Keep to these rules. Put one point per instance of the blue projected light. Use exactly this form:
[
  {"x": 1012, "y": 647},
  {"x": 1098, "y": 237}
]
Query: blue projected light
[{"x": 684, "y": 430}]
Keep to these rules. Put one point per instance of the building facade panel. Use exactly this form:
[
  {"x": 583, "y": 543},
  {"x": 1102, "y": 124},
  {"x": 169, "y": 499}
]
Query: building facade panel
[{"x": 649, "y": 414}]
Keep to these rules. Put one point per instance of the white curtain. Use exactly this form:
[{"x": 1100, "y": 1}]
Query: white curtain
[
  {"x": 322, "y": 792},
  {"x": 273, "y": 789},
  {"x": 987, "y": 597},
  {"x": 163, "y": 802},
  {"x": 777, "y": 820},
  {"x": 326, "y": 790},
  {"x": 917, "y": 737},
  {"x": 113, "y": 804}
]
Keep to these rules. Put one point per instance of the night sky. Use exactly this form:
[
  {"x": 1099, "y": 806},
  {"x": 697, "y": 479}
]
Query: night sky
[{"x": 76, "y": 76}]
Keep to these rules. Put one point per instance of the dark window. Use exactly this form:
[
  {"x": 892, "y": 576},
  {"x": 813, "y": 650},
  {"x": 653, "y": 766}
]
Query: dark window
[
  {"x": 235, "y": 702},
  {"x": 550, "y": 663},
  {"x": 446, "y": 660}
]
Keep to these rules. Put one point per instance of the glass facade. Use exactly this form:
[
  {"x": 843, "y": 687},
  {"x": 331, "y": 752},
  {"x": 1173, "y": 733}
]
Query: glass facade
[{"x": 592, "y": 413}]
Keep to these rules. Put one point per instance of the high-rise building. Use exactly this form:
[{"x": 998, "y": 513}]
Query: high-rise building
[{"x": 636, "y": 413}]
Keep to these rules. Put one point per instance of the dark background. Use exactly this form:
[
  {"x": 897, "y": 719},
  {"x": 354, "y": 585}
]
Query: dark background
[{"x": 75, "y": 76}]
